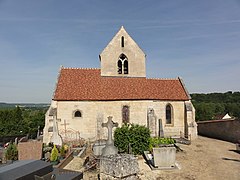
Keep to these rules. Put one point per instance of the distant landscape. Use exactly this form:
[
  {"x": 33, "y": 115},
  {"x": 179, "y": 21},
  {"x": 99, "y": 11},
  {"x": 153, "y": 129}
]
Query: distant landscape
[
  {"x": 27, "y": 105},
  {"x": 211, "y": 106}
]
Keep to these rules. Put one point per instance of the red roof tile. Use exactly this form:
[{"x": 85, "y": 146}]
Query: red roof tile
[{"x": 88, "y": 84}]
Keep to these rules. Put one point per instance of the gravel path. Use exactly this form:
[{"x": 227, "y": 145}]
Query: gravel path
[{"x": 204, "y": 159}]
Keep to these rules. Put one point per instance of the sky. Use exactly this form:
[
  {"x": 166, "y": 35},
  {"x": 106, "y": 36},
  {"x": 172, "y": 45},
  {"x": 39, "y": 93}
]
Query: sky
[{"x": 198, "y": 41}]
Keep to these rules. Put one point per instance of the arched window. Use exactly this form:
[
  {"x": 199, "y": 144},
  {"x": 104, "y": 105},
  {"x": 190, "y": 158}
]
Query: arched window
[
  {"x": 122, "y": 64},
  {"x": 169, "y": 114},
  {"x": 77, "y": 113},
  {"x": 119, "y": 67},
  {"x": 125, "y": 114},
  {"x": 125, "y": 67}
]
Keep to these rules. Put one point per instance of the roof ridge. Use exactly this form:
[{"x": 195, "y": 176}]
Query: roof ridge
[
  {"x": 81, "y": 68},
  {"x": 163, "y": 78}
]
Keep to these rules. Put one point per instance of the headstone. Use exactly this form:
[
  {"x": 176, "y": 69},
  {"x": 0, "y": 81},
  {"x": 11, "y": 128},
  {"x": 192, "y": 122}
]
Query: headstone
[
  {"x": 110, "y": 148},
  {"x": 152, "y": 122},
  {"x": 30, "y": 150},
  {"x": 56, "y": 138},
  {"x": 161, "y": 134},
  {"x": 98, "y": 147},
  {"x": 99, "y": 126},
  {"x": 25, "y": 169}
]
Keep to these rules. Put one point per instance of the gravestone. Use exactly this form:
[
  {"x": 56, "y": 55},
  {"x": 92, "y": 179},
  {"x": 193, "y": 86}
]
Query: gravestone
[
  {"x": 161, "y": 133},
  {"x": 56, "y": 138},
  {"x": 25, "y": 169},
  {"x": 109, "y": 148},
  {"x": 30, "y": 150},
  {"x": 152, "y": 122},
  {"x": 99, "y": 126}
]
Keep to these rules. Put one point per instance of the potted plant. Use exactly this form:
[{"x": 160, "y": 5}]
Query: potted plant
[{"x": 163, "y": 151}]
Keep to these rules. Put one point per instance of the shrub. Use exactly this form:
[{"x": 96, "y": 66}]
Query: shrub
[
  {"x": 134, "y": 135},
  {"x": 62, "y": 151},
  {"x": 11, "y": 152},
  {"x": 54, "y": 154},
  {"x": 155, "y": 142}
]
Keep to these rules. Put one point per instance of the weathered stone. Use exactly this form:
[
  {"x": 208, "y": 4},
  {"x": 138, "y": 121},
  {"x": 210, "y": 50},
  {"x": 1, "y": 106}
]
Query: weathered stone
[
  {"x": 109, "y": 148},
  {"x": 119, "y": 165},
  {"x": 152, "y": 122},
  {"x": 56, "y": 138},
  {"x": 164, "y": 157},
  {"x": 98, "y": 147}
]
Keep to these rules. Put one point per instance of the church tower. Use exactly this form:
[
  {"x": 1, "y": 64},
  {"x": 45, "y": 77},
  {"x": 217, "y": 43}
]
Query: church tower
[{"x": 122, "y": 57}]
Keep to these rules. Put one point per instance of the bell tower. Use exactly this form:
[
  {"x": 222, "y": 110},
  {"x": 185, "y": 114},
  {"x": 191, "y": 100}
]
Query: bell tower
[{"x": 122, "y": 57}]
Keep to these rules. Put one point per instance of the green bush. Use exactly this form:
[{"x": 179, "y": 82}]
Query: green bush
[
  {"x": 134, "y": 135},
  {"x": 155, "y": 141},
  {"x": 11, "y": 152},
  {"x": 54, "y": 154}
]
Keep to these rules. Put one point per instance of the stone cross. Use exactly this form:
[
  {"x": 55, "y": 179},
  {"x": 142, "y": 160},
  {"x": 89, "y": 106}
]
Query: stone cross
[
  {"x": 65, "y": 126},
  {"x": 110, "y": 125},
  {"x": 109, "y": 149}
]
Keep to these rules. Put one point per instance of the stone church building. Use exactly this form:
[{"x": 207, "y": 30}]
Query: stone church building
[{"x": 84, "y": 98}]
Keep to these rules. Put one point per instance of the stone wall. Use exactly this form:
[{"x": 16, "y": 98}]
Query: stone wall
[
  {"x": 228, "y": 130},
  {"x": 93, "y": 110}
]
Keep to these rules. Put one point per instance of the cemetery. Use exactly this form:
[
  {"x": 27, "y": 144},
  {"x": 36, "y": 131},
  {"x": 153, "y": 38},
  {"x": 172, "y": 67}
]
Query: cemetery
[{"x": 129, "y": 152}]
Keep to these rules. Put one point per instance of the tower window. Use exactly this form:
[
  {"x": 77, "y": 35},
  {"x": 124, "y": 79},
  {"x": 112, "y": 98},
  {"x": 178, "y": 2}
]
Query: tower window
[
  {"x": 122, "y": 41},
  {"x": 119, "y": 66},
  {"x": 122, "y": 64},
  {"x": 125, "y": 67}
]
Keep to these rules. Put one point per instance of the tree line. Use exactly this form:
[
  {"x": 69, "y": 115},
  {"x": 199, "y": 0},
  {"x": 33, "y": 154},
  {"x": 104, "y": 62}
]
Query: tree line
[
  {"x": 210, "y": 106},
  {"x": 21, "y": 121}
]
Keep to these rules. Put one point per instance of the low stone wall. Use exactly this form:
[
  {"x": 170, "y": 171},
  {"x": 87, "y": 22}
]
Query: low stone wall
[{"x": 227, "y": 130}]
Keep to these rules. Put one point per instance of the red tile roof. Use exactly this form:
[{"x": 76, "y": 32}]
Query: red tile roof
[{"x": 88, "y": 84}]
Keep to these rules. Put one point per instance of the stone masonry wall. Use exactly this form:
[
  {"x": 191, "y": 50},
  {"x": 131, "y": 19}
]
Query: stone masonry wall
[
  {"x": 228, "y": 130},
  {"x": 92, "y": 110}
]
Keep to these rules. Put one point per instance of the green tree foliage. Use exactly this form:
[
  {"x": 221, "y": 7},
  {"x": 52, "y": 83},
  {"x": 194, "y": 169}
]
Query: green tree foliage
[
  {"x": 18, "y": 121},
  {"x": 209, "y": 106},
  {"x": 132, "y": 135}
]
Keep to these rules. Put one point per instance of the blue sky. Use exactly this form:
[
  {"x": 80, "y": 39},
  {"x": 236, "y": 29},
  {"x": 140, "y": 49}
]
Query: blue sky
[{"x": 196, "y": 40}]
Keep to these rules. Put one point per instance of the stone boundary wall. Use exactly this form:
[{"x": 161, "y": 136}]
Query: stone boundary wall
[{"x": 227, "y": 130}]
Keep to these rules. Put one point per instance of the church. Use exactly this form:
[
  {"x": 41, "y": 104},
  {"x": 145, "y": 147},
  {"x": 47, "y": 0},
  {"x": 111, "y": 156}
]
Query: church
[{"x": 85, "y": 97}]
